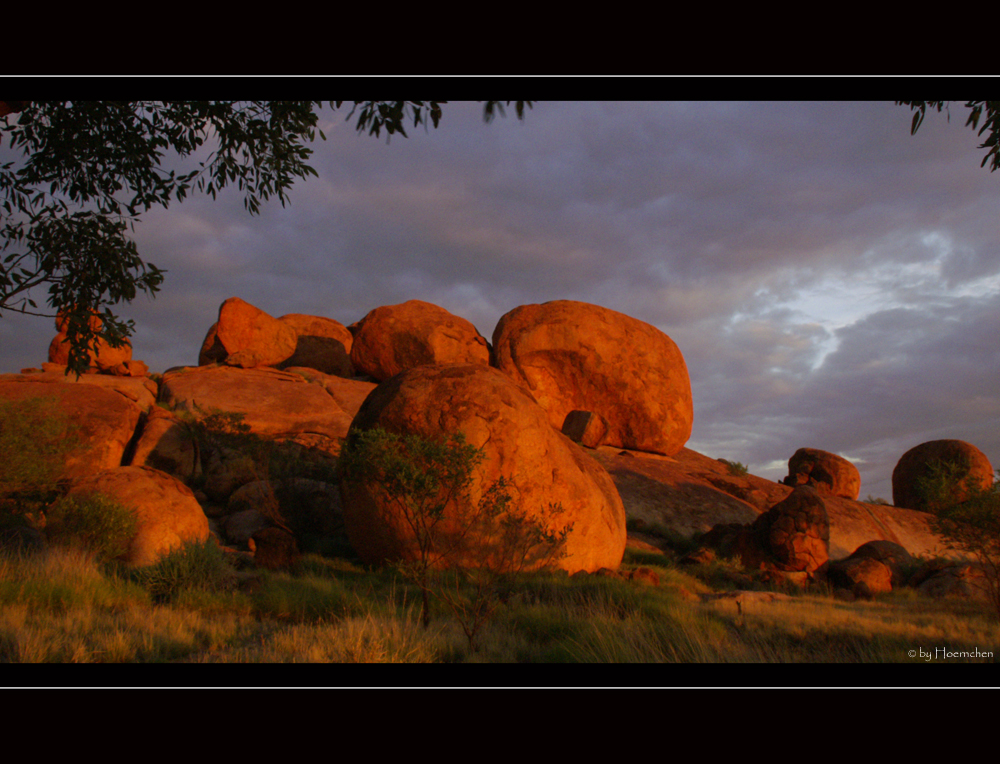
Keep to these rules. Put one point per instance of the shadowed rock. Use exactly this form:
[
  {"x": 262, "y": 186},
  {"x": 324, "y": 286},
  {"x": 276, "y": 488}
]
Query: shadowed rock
[
  {"x": 828, "y": 473},
  {"x": 974, "y": 472}
]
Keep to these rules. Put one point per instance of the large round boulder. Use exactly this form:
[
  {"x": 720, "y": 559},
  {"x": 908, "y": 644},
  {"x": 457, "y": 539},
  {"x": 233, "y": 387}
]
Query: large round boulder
[
  {"x": 573, "y": 356},
  {"x": 393, "y": 338},
  {"x": 247, "y": 337},
  {"x": 541, "y": 466},
  {"x": 167, "y": 512},
  {"x": 828, "y": 473},
  {"x": 102, "y": 356},
  {"x": 963, "y": 467}
]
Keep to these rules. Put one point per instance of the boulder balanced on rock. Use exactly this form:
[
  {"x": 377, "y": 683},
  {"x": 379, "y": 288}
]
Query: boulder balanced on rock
[
  {"x": 393, "y": 338},
  {"x": 246, "y": 336},
  {"x": 828, "y": 473},
  {"x": 542, "y": 466},
  {"x": 575, "y": 356}
]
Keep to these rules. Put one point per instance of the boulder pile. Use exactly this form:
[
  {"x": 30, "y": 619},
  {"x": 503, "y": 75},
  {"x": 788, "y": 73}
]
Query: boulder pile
[{"x": 576, "y": 407}]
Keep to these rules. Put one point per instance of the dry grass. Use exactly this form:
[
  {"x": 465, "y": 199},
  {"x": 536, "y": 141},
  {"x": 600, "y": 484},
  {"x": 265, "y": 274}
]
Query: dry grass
[{"x": 62, "y": 607}]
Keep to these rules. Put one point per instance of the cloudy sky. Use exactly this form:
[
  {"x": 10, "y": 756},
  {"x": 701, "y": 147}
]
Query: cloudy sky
[{"x": 832, "y": 281}]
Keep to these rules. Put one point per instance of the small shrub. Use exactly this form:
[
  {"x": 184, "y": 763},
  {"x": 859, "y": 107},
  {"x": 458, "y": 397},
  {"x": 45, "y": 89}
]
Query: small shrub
[
  {"x": 737, "y": 469},
  {"x": 94, "y": 522},
  {"x": 940, "y": 483},
  {"x": 877, "y": 500},
  {"x": 198, "y": 565},
  {"x": 419, "y": 478}
]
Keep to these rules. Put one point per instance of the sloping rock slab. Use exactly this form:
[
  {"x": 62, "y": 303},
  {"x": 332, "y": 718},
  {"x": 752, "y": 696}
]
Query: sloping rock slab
[
  {"x": 676, "y": 492},
  {"x": 276, "y": 404},
  {"x": 140, "y": 390},
  {"x": 104, "y": 421}
]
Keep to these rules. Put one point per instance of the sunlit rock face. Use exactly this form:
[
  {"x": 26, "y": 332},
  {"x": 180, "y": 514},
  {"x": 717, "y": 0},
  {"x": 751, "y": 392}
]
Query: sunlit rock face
[
  {"x": 542, "y": 466},
  {"x": 393, "y": 338},
  {"x": 828, "y": 473},
  {"x": 167, "y": 512},
  {"x": 311, "y": 408},
  {"x": 575, "y": 356},
  {"x": 973, "y": 472},
  {"x": 100, "y": 421},
  {"x": 246, "y": 336}
]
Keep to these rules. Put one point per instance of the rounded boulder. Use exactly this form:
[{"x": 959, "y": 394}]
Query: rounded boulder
[
  {"x": 542, "y": 466},
  {"x": 247, "y": 337},
  {"x": 576, "y": 356},
  {"x": 393, "y": 338},
  {"x": 167, "y": 512},
  {"x": 969, "y": 472},
  {"x": 828, "y": 473}
]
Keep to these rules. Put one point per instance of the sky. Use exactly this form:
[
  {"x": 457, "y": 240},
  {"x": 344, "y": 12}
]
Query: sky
[{"x": 831, "y": 281}]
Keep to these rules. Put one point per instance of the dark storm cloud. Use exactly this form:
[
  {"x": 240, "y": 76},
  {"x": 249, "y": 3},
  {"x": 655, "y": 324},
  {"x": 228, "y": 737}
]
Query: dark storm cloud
[{"x": 831, "y": 281}]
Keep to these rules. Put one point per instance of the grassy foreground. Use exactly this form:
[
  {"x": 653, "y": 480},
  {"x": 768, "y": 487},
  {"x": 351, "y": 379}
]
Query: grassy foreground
[{"x": 62, "y": 606}]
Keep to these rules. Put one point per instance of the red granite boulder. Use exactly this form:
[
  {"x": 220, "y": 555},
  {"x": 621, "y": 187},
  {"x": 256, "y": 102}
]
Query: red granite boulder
[
  {"x": 246, "y": 336},
  {"x": 972, "y": 472},
  {"x": 575, "y": 356},
  {"x": 167, "y": 512},
  {"x": 828, "y": 473},
  {"x": 393, "y": 338},
  {"x": 323, "y": 344},
  {"x": 101, "y": 421},
  {"x": 541, "y": 465}
]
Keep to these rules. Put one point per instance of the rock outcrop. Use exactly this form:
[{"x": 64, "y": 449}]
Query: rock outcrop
[
  {"x": 973, "y": 472},
  {"x": 247, "y": 337},
  {"x": 168, "y": 444},
  {"x": 277, "y": 404},
  {"x": 393, "y": 338},
  {"x": 103, "y": 358},
  {"x": 542, "y": 466},
  {"x": 864, "y": 577},
  {"x": 167, "y": 512},
  {"x": 830, "y": 474},
  {"x": 575, "y": 356},
  {"x": 101, "y": 421},
  {"x": 323, "y": 344}
]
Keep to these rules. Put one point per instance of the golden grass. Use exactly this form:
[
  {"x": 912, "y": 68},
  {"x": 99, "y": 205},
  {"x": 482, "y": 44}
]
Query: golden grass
[{"x": 61, "y": 607}]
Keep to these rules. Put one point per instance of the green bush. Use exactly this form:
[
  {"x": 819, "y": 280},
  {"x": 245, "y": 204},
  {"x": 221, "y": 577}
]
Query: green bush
[
  {"x": 196, "y": 565},
  {"x": 973, "y": 527},
  {"x": 94, "y": 522},
  {"x": 939, "y": 484},
  {"x": 419, "y": 477},
  {"x": 737, "y": 469}
]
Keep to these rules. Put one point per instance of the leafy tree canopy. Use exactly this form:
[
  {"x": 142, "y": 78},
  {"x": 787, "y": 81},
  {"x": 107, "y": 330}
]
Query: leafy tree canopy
[
  {"x": 991, "y": 125},
  {"x": 89, "y": 169}
]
